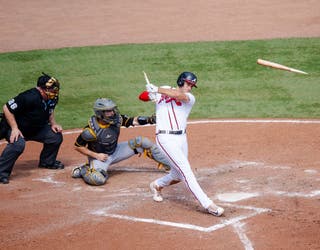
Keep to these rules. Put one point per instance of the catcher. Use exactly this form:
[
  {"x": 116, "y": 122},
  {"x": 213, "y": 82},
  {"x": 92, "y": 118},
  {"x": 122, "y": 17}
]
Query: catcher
[{"x": 99, "y": 142}]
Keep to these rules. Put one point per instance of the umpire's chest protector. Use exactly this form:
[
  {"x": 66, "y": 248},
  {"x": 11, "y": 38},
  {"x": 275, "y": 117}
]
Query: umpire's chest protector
[{"x": 106, "y": 136}]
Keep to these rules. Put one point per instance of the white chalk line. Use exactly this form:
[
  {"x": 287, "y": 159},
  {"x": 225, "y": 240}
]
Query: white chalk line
[
  {"x": 238, "y": 226},
  {"x": 236, "y": 222},
  {"x": 239, "y": 229},
  {"x": 311, "y": 194},
  {"x": 49, "y": 179},
  {"x": 221, "y": 168},
  {"x": 301, "y": 121},
  {"x": 224, "y": 167},
  {"x": 236, "y": 196},
  {"x": 297, "y": 121},
  {"x": 224, "y": 223}
]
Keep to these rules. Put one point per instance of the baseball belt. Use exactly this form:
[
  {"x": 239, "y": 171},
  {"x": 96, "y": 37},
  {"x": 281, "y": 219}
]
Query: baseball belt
[{"x": 172, "y": 132}]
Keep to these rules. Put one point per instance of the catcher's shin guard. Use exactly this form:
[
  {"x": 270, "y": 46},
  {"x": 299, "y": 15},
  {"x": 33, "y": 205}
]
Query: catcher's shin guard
[
  {"x": 150, "y": 150},
  {"x": 94, "y": 177}
]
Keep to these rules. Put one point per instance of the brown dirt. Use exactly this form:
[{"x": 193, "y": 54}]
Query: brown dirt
[
  {"x": 277, "y": 163},
  {"x": 27, "y": 25}
]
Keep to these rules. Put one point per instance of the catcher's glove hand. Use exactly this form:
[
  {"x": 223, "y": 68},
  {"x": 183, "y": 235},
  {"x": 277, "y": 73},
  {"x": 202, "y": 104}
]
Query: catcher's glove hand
[{"x": 152, "y": 119}]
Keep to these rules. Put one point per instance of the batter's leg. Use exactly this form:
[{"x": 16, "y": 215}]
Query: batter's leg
[{"x": 176, "y": 151}]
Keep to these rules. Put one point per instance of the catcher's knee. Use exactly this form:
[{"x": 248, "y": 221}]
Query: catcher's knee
[
  {"x": 140, "y": 142},
  {"x": 150, "y": 150},
  {"x": 95, "y": 177}
]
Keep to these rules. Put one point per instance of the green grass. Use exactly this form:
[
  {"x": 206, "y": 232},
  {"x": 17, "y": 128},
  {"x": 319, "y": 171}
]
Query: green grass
[{"x": 231, "y": 84}]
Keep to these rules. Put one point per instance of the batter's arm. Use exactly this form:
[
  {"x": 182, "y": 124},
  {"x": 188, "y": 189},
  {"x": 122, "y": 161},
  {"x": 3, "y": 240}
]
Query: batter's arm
[{"x": 174, "y": 93}]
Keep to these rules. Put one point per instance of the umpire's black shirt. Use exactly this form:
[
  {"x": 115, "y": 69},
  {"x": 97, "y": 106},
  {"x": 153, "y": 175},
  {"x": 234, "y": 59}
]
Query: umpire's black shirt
[{"x": 31, "y": 111}]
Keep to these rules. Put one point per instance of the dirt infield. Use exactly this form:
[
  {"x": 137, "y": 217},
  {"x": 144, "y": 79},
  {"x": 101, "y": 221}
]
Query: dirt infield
[
  {"x": 266, "y": 173},
  {"x": 45, "y": 24}
]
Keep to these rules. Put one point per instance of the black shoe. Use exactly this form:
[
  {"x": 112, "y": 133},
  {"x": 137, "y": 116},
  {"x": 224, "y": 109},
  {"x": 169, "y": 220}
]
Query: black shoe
[
  {"x": 56, "y": 165},
  {"x": 4, "y": 180}
]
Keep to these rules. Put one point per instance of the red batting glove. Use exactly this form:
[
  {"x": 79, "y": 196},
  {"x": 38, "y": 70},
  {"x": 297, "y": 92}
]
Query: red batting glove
[{"x": 144, "y": 96}]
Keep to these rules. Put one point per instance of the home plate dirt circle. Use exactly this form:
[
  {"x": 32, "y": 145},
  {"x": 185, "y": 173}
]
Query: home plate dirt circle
[{"x": 265, "y": 173}]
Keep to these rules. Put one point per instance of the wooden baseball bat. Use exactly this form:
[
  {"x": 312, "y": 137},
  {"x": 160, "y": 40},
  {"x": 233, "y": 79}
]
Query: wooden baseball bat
[
  {"x": 146, "y": 77},
  {"x": 279, "y": 66}
]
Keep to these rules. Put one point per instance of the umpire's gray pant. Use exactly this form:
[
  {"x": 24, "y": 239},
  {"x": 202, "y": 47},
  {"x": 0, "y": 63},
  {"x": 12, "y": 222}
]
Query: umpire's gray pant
[{"x": 51, "y": 144}]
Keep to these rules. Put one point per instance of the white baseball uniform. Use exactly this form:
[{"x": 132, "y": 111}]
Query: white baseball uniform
[{"x": 171, "y": 137}]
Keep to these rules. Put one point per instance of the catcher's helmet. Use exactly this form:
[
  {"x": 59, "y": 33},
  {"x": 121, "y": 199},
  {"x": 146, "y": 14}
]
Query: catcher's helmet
[
  {"x": 104, "y": 104},
  {"x": 187, "y": 77},
  {"x": 50, "y": 85}
]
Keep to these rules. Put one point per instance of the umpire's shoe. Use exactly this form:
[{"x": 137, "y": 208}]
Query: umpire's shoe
[
  {"x": 4, "y": 180},
  {"x": 56, "y": 165}
]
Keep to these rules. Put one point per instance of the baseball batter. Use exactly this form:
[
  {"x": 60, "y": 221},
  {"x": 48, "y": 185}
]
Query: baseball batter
[{"x": 173, "y": 106}]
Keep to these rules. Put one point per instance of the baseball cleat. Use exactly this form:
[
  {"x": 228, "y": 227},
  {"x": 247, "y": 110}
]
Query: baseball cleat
[
  {"x": 215, "y": 210},
  {"x": 156, "y": 194},
  {"x": 4, "y": 180},
  {"x": 76, "y": 172},
  {"x": 56, "y": 165}
]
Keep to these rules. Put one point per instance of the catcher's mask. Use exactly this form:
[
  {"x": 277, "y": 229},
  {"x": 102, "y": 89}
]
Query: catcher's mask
[
  {"x": 105, "y": 109},
  {"x": 187, "y": 77},
  {"x": 50, "y": 85}
]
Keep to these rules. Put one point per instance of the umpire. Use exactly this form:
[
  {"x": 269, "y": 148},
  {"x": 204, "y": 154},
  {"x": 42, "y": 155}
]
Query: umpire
[{"x": 30, "y": 117}]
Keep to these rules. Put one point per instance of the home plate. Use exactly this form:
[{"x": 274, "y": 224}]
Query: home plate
[{"x": 233, "y": 197}]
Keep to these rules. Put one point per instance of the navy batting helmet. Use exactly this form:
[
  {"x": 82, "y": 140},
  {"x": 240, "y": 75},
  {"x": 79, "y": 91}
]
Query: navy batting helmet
[{"x": 187, "y": 77}]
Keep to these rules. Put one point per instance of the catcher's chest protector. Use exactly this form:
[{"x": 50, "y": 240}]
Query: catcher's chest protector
[{"x": 107, "y": 137}]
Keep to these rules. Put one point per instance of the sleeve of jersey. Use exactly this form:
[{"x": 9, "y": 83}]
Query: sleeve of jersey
[
  {"x": 192, "y": 99},
  {"x": 16, "y": 104},
  {"x": 87, "y": 135}
]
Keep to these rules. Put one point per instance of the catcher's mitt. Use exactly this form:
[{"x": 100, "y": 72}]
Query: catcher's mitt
[{"x": 152, "y": 119}]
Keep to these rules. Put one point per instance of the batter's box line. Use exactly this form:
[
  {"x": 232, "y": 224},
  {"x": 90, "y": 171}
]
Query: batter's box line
[{"x": 224, "y": 223}]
